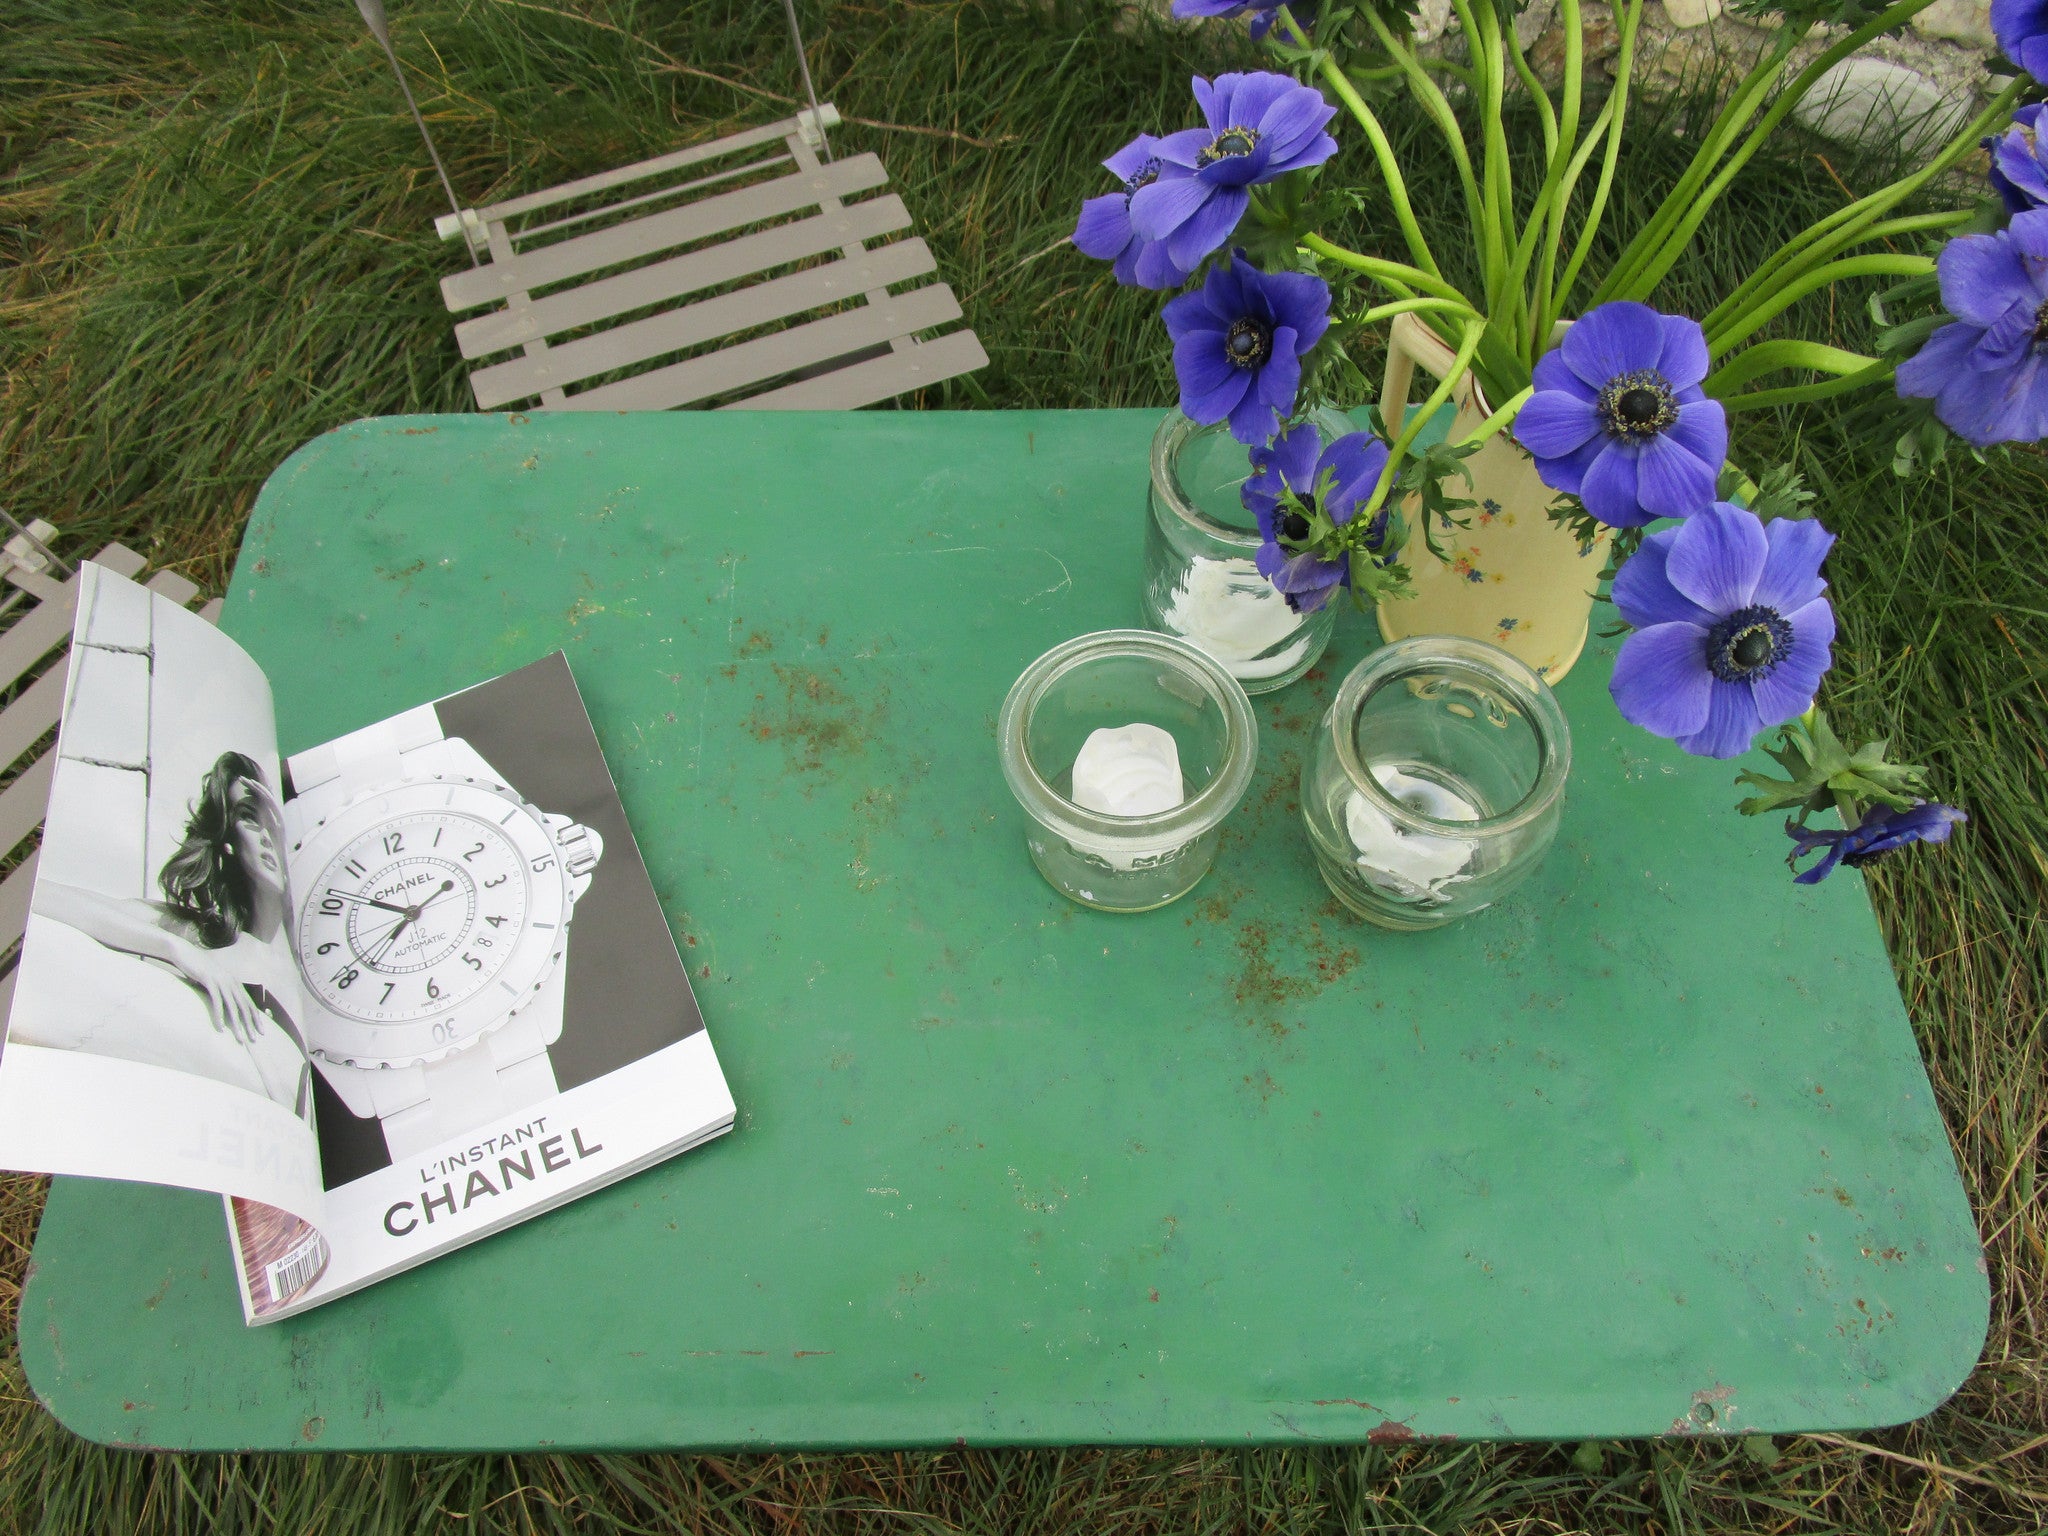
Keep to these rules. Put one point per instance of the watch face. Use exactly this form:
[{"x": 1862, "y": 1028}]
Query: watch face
[
  {"x": 426, "y": 915},
  {"x": 413, "y": 917}
]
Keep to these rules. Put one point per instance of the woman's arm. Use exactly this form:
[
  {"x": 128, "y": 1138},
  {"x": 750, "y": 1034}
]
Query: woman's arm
[{"x": 142, "y": 928}]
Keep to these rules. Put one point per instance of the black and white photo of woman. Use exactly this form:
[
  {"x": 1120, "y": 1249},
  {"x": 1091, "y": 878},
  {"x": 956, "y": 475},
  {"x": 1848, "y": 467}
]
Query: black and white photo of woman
[{"x": 201, "y": 980}]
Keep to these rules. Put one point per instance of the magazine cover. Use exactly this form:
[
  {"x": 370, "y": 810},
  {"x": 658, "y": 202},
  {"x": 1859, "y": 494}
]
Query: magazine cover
[{"x": 392, "y": 995}]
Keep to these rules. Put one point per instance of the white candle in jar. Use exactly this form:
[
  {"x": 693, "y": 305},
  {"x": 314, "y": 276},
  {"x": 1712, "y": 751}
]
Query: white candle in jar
[
  {"x": 1129, "y": 770},
  {"x": 1414, "y": 866}
]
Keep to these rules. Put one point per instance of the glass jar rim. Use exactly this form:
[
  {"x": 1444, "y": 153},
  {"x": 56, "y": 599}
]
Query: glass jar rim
[
  {"x": 1188, "y": 820},
  {"x": 1524, "y": 688},
  {"x": 1175, "y": 428}
]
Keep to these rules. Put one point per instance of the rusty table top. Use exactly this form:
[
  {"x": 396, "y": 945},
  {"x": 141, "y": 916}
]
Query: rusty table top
[{"x": 1647, "y": 1148}]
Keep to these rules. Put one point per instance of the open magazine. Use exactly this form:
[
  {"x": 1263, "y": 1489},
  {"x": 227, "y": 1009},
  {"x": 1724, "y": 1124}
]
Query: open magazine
[{"x": 406, "y": 989}]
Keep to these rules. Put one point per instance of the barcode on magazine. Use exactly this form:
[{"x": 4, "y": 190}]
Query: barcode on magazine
[{"x": 295, "y": 1270}]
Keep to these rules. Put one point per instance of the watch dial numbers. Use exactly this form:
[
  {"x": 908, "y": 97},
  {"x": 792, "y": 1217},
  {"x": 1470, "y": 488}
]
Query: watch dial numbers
[{"x": 405, "y": 916}]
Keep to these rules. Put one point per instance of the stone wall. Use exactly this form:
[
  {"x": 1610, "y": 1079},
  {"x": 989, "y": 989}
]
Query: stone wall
[{"x": 1917, "y": 88}]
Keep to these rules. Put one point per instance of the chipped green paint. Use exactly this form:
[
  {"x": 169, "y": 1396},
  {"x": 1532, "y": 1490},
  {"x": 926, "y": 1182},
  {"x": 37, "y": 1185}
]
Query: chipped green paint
[{"x": 1647, "y": 1149}]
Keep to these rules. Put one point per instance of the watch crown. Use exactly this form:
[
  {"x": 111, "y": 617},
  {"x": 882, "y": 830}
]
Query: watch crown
[{"x": 580, "y": 851}]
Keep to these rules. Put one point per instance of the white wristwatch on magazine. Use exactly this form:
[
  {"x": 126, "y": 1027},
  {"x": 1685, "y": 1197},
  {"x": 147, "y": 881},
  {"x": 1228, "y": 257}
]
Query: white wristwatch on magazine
[{"x": 431, "y": 909}]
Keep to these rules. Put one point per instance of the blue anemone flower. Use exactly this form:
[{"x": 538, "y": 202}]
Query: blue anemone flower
[
  {"x": 1105, "y": 232},
  {"x": 1264, "y": 13},
  {"x": 2021, "y": 27},
  {"x": 1297, "y": 461},
  {"x": 2019, "y": 171},
  {"x": 1261, "y": 126},
  {"x": 1238, "y": 341},
  {"x": 1732, "y": 633},
  {"x": 1618, "y": 418},
  {"x": 1882, "y": 830},
  {"x": 1985, "y": 372}
]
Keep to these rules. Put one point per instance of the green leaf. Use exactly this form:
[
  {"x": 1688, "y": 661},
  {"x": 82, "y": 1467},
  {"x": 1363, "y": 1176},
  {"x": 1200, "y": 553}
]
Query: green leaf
[
  {"x": 1761, "y": 1449},
  {"x": 1590, "y": 1458}
]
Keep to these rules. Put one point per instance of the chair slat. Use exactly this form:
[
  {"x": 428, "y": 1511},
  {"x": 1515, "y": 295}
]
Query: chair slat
[
  {"x": 767, "y": 357},
  {"x": 24, "y": 801},
  {"x": 659, "y": 232},
  {"x": 15, "y": 892},
  {"x": 844, "y": 389},
  {"x": 170, "y": 584},
  {"x": 741, "y": 257},
  {"x": 34, "y": 635},
  {"x": 659, "y": 194},
  {"x": 730, "y": 313},
  {"x": 604, "y": 181},
  {"x": 29, "y": 718}
]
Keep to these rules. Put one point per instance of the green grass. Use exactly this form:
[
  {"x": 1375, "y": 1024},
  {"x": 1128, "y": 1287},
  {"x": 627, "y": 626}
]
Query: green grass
[{"x": 214, "y": 245}]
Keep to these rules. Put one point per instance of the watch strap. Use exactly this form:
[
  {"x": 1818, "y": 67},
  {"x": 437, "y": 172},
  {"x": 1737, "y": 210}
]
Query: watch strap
[
  {"x": 365, "y": 757},
  {"x": 500, "y": 1075}
]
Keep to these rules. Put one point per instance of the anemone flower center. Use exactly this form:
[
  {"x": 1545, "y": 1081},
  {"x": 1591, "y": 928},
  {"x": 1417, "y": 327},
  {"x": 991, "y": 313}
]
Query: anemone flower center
[
  {"x": 1637, "y": 405},
  {"x": 1748, "y": 644},
  {"x": 1294, "y": 521},
  {"x": 1249, "y": 342},
  {"x": 2041, "y": 323},
  {"x": 1230, "y": 144},
  {"x": 1144, "y": 176}
]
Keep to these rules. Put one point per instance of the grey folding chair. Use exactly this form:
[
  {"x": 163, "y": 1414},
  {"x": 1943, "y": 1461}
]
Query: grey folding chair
[
  {"x": 752, "y": 279},
  {"x": 37, "y": 614}
]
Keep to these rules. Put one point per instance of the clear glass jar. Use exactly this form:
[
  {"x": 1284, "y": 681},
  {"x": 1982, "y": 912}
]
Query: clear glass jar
[
  {"x": 1436, "y": 781},
  {"x": 1109, "y": 681},
  {"x": 1200, "y": 582}
]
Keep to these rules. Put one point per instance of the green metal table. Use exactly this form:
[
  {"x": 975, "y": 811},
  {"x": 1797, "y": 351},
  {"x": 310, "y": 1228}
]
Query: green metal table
[{"x": 1647, "y": 1148}]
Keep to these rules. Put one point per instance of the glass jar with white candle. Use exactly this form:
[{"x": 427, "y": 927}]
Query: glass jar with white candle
[
  {"x": 1200, "y": 580},
  {"x": 1126, "y": 750},
  {"x": 1436, "y": 781}
]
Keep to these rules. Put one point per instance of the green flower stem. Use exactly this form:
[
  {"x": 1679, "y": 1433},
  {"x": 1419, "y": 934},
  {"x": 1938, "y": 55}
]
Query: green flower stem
[
  {"x": 1417, "y": 420},
  {"x": 1546, "y": 274},
  {"x": 1500, "y": 418},
  {"x": 1799, "y": 394},
  {"x": 1741, "y": 105},
  {"x": 1769, "y": 356},
  {"x": 1417, "y": 306},
  {"x": 1548, "y": 212},
  {"x": 1624, "y": 70},
  {"x": 1859, "y": 220},
  {"x": 1673, "y": 246},
  {"x": 1784, "y": 295},
  {"x": 1782, "y": 266},
  {"x": 1383, "y": 152},
  {"x": 1394, "y": 274},
  {"x": 1535, "y": 87},
  {"x": 1484, "y": 48},
  {"x": 1434, "y": 104}
]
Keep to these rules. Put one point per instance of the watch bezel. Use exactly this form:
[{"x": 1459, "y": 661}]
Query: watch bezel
[{"x": 337, "y": 1038}]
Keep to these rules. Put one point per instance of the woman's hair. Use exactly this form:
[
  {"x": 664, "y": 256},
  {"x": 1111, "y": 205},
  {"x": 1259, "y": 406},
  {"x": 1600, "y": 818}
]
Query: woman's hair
[{"x": 202, "y": 880}]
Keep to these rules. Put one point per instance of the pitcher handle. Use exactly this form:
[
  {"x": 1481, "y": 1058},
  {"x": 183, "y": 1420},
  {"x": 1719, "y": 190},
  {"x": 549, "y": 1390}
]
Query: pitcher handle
[{"x": 1409, "y": 342}]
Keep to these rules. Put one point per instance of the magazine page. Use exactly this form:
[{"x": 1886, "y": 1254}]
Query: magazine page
[
  {"x": 497, "y": 1012},
  {"x": 155, "y": 1033}
]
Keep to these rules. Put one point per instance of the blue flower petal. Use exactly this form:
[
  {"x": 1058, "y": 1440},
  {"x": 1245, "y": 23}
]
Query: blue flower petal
[
  {"x": 1160, "y": 209},
  {"x": 1661, "y": 681},
  {"x": 1702, "y": 430},
  {"x": 1294, "y": 453},
  {"x": 1616, "y": 338},
  {"x": 1104, "y": 228},
  {"x": 1921, "y": 376},
  {"x": 1609, "y": 490},
  {"x": 1792, "y": 683},
  {"x": 1132, "y": 158},
  {"x": 1355, "y": 462},
  {"x": 1154, "y": 268},
  {"x": 1718, "y": 557},
  {"x": 1270, "y": 558},
  {"x": 1210, "y": 385},
  {"x": 1553, "y": 372},
  {"x": 1552, "y": 423},
  {"x": 1685, "y": 361},
  {"x": 1207, "y": 227},
  {"x": 1643, "y": 593},
  {"x": 1183, "y": 149},
  {"x": 1731, "y": 726},
  {"x": 1245, "y": 101},
  {"x": 1791, "y": 575},
  {"x": 1981, "y": 278},
  {"x": 1670, "y": 482}
]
